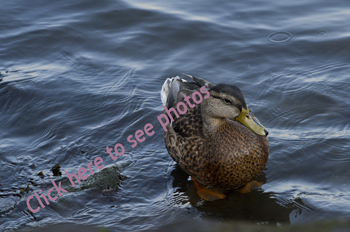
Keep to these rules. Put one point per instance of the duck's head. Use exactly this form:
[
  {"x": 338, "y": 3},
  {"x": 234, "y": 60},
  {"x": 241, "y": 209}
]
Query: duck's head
[{"x": 227, "y": 102}]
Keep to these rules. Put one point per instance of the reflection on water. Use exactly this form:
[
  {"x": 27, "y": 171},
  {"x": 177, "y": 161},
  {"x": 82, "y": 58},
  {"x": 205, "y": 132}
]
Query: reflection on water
[{"x": 258, "y": 205}]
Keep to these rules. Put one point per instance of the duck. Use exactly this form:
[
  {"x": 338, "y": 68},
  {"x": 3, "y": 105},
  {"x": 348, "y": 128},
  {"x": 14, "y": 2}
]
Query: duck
[{"x": 219, "y": 143}]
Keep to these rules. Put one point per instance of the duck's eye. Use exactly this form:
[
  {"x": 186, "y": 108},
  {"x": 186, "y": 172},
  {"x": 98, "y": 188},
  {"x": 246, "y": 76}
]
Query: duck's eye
[
  {"x": 227, "y": 101},
  {"x": 248, "y": 116}
]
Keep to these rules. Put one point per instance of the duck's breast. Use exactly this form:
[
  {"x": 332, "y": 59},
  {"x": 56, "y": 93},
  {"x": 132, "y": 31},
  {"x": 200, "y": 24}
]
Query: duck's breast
[{"x": 237, "y": 156}]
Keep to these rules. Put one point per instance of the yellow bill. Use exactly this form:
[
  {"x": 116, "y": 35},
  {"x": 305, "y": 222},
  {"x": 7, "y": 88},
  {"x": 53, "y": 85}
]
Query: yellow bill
[{"x": 248, "y": 119}]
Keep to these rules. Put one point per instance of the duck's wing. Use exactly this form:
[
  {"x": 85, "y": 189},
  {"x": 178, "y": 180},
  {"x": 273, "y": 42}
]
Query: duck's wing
[
  {"x": 189, "y": 124},
  {"x": 189, "y": 152},
  {"x": 179, "y": 89},
  {"x": 173, "y": 91},
  {"x": 201, "y": 82}
]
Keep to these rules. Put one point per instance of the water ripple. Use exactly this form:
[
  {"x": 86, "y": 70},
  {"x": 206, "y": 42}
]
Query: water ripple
[
  {"x": 280, "y": 37},
  {"x": 322, "y": 33}
]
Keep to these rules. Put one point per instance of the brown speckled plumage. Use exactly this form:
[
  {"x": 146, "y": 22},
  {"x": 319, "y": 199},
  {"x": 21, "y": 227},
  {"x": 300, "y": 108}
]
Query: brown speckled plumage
[{"x": 226, "y": 158}]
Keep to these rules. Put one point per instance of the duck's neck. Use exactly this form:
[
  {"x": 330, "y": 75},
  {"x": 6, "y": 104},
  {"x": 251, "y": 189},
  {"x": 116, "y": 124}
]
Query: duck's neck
[{"x": 211, "y": 124}]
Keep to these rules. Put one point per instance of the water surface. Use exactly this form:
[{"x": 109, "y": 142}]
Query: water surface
[{"x": 79, "y": 76}]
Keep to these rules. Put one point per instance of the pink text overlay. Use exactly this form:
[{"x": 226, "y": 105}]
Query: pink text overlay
[{"x": 138, "y": 137}]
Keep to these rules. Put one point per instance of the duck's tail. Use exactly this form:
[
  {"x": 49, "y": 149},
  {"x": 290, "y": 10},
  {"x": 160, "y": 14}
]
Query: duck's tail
[
  {"x": 170, "y": 89},
  {"x": 174, "y": 89}
]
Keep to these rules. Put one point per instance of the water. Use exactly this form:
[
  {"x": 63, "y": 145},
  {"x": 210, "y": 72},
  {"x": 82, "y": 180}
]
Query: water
[{"x": 79, "y": 76}]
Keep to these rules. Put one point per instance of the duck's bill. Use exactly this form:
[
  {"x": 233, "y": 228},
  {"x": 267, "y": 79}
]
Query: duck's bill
[{"x": 248, "y": 119}]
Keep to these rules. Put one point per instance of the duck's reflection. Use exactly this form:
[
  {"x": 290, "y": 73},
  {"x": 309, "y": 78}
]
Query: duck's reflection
[{"x": 256, "y": 206}]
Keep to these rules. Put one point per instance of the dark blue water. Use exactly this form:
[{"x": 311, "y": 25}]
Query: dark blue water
[{"x": 79, "y": 76}]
